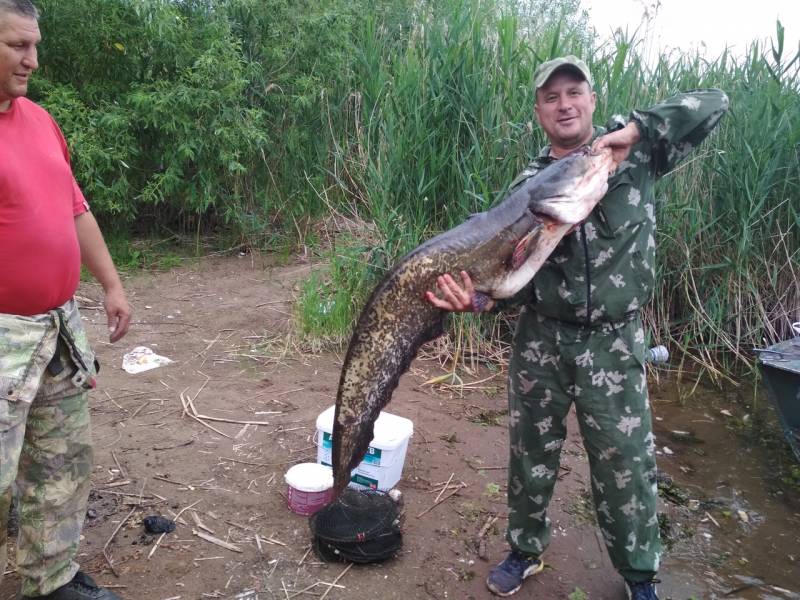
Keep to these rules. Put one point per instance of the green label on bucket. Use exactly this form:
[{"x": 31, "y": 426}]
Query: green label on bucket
[
  {"x": 360, "y": 479},
  {"x": 372, "y": 457},
  {"x": 365, "y": 481}
]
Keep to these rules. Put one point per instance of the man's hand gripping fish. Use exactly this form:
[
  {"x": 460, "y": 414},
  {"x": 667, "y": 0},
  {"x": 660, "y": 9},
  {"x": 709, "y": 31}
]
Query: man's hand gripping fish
[{"x": 501, "y": 249}]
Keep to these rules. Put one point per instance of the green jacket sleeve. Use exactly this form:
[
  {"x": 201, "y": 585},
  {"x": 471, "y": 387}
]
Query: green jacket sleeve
[{"x": 677, "y": 125}]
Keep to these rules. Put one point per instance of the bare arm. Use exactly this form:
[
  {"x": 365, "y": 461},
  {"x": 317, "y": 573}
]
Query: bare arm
[{"x": 95, "y": 257}]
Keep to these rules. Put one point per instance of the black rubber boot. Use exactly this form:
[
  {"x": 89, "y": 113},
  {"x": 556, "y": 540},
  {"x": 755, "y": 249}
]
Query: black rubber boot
[{"x": 82, "y": 587}]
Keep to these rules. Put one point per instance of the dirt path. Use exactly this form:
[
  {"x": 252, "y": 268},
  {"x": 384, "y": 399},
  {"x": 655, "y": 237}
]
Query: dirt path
[{"x": 209, "y": 318}]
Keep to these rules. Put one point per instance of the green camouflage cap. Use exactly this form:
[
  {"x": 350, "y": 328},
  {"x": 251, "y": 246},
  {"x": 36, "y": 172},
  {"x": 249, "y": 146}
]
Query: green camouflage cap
[{"x": 572, "y": 63}]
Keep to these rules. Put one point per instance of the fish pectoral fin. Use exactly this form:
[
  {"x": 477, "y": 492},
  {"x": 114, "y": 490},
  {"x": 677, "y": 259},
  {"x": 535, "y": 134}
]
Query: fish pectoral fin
[{"x": 524, "y": 247}]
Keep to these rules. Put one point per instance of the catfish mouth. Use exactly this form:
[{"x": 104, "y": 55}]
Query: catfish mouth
[{"x": 569, "y": 207}]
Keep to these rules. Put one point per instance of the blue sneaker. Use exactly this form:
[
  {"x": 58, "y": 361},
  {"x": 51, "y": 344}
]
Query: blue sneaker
[
  {"x": 642, "y": 590},
  {"x": 506, "y": 578}
]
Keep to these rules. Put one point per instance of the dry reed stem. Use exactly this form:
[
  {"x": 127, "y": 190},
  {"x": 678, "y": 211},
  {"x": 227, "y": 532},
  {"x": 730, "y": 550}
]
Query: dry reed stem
[
  {"x": 161, "y": 537},
  {"x": 221, "y": 543},
  {"x": 444, "y": 487},
  {"x": 335, "y": 581},
  {"x": 113, "y": 535},
  {"x": 435, "y": 504}
]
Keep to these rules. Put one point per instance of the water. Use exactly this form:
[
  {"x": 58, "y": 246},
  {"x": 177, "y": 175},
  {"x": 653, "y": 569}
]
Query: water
[{"x": 737, "y": 528}]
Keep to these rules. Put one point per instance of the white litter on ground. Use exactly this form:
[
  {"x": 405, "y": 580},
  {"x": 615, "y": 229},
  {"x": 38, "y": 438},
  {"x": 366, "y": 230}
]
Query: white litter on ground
[{"x": 142, "y": 359}]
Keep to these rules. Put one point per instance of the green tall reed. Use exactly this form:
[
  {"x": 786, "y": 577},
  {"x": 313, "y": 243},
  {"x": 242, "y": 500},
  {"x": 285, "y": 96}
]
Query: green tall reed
[{"x": 445, "y": 123}]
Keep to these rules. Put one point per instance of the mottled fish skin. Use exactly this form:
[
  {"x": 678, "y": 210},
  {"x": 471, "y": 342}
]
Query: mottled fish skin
[{"x": 397, "y": 319}]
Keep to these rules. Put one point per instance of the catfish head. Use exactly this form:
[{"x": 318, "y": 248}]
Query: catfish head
[{"x": 503, "y": 248}]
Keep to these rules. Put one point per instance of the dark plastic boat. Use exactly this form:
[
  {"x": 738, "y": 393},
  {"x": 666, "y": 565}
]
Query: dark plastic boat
[{"x": 780, "y": 368}]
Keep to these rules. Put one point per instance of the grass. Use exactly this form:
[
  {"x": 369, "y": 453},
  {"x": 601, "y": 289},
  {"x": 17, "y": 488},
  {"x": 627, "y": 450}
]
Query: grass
[
  {"x": 441, "y": 121},
  {"x": 156, "y": 255},
  {"x": 397, "y": 120},
  {"x": 329, "y": 298}
]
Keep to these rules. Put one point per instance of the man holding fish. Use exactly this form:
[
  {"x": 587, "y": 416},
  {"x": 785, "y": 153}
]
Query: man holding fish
[{"x": 580, "y": 339}]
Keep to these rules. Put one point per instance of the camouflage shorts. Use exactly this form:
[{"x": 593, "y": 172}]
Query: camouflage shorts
[{"x": 45, "y": 447}]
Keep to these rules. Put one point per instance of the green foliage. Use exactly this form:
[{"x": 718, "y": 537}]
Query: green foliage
[
  {"x": 492, "y": 490},
  {"x": 130, "y": 256},
  {"x": 446, "y": 114},
  {"x": 327, "y": 302},
  {"x": 792, "y": 477},
  {"x": 578, "y": 594},
  {"x": 205, "y": 109},
  {"x": 251, "y": 116},
  {"x": 101, "y": 144},
  {"x": 202, "y": 133}
]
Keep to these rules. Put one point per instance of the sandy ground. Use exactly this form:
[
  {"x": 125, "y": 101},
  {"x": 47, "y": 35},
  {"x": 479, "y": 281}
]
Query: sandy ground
[{"x": 223, "y": 322}]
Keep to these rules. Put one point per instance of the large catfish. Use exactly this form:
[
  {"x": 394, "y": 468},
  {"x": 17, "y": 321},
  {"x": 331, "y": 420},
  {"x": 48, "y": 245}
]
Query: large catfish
[{"x": 501, "y": 249}]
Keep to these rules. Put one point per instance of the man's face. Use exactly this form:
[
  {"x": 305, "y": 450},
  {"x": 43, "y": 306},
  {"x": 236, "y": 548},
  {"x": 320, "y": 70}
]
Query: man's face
[
  {"x": 19, "y": 36},
  {"x": 564, "y": 109}
]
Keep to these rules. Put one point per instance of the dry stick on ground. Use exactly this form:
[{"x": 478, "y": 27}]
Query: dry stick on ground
[
  {"x": 173, "y": 482},
  {"x": 207, "y": 348},
  {"x": 446, "y": 485},
  {"x": 112, "y": 400},
  {"x": 430, "y": 508},
  {"x": 335, "y": 581},
  {"x": 119, "y": 466},
  {"x": 186, "y": 443},
  {"x": 491, "y": 521},
  {"x": 187, "y": 403},
  {"x": 196, "y": 415},
  {"x": 217, "y": 541},
  {"x": 280, "y": 464},
  {"x": 105, "y": 555},
  {"x": 713, "y": 520},
  {"x": 244, "y": 462},
  {"x": 285, "y": 591},
  {"x": 200, "y": 524},
  {"x": 130, "y": 395},
  {"x": 117, "y": 484},
  {"x": 183, "y": 403},
  {"x": 201, "y": 387},
  {"x": 306, "y": 589},
  {"x": 158, "y": 541},
  {"x": 127, "y": 494},
  {"x": 479, "y": 468},
  {"x": 137, "y": 411}
]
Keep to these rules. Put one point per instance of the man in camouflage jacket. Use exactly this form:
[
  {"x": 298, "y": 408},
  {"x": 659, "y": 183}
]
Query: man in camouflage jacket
[{"x": 580, "y": 339}]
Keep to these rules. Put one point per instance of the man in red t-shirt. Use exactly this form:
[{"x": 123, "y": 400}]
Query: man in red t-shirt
[{"x": 46, "y": 363}]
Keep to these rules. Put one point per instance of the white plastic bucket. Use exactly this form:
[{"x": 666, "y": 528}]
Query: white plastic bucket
[
  {"x": 382, "y": 465},
  {"x": 309, "y": 487}
]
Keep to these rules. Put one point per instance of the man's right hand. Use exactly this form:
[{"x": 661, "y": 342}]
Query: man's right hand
[
  {"x": 457, "y": 297},
  {"x": 620, "y": 142}
]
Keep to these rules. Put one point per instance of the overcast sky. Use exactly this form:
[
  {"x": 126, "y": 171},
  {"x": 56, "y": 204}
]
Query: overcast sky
[{"x": 685, "y": 24}]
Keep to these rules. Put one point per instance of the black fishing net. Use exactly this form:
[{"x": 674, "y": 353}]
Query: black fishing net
[{"x": 359, "y": 526}]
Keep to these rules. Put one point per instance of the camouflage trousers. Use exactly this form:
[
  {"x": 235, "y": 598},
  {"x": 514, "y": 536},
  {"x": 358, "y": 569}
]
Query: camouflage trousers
[
  {"x": 601, "y": 370},
  {"x": 45, "y": 450}
]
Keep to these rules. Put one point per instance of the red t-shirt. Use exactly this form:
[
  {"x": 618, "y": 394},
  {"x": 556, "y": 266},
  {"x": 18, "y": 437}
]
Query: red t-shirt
[{"x": 40, "y": 259}]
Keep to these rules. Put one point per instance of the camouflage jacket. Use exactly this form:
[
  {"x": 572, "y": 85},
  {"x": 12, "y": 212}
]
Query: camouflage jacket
[
  {"x": 605, "y": 270},
  {"x": 28, "y": 343}
]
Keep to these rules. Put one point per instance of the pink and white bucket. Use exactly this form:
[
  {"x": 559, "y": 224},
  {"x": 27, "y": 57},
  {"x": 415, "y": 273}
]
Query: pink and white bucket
[{"x": 310, "y": 487}]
